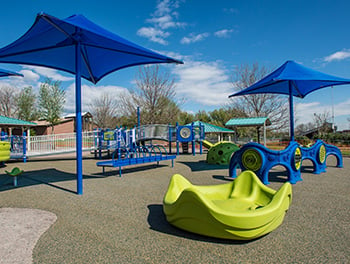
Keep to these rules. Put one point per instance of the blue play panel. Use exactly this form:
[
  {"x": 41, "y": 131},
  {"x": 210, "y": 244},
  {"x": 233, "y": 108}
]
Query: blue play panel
[
  {"x": 318, "y": 153},
  {"x": 140, "y": 155},
  {"x": 261, "y": 160}
]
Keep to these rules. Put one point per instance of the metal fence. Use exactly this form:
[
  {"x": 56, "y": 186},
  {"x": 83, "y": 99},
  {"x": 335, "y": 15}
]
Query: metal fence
[{"x": 58, "y": 143}]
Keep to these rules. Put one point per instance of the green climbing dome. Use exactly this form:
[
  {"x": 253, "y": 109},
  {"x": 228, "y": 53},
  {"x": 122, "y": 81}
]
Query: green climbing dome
[{"x": 220, "y": 153}]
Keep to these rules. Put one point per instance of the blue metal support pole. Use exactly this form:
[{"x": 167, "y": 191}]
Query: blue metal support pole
[
  {"x": 78, "y": 121},
  {"x": 100, "y": 138},
  {"x": 119, "y": 139},
  {"x": 291, "y": 112},
  {"x": 177, "y": 140},
  {"x": 193, "y": 140},
  {"x": 169, "y": 137},
  {"x": 200, "y": 139}
]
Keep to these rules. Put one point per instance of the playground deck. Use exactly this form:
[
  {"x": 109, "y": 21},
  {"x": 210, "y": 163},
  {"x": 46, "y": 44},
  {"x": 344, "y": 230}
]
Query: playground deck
[
  {"x": 134, "y": 161},
  {"x": 121, "y": 220}
]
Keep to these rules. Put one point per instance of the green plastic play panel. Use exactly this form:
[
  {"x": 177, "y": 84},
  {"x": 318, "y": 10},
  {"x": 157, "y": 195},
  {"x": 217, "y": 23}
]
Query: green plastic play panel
[
  {"x": 241, "y": 210},
  {"x": 220, "y": 153}
]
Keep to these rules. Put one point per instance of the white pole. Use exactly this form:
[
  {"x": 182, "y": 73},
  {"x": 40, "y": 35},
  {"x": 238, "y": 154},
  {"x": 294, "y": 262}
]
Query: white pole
[
  {"x": 28, "y": 139},
  {"x": 265, "y": 133}
]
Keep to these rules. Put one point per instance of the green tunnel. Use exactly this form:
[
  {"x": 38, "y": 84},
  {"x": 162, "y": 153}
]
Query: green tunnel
[{"x": 220, "y": 153}]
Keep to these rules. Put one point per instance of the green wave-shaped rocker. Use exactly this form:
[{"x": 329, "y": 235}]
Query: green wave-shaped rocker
[{"x": 244, "y": 209}]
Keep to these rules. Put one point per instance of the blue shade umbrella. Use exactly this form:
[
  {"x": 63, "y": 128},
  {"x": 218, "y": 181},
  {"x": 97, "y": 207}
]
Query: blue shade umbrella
[
  {"x": 4, "y": 73},
  {"x": 292, "y": 79},
  {"x": 78, "y": 46}
]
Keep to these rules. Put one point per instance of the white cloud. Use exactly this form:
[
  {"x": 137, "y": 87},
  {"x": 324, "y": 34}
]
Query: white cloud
[
  {"x": 90, "y": 92},
  {"x": 165, "y": 22},
  {"x": 192, "y": 38},
  {"x": 163, "y": 7},
  {"x": 305, "y": 111},
  {"x": 201, "y": 82},
  {"x": 50, "y": 73},
  {"x": 153, "y": 34},
  {"x": 30, "y": 76},
  {"x": 337, "y": 56},
  {"x": 224, "y": 33},
  {"x": 163, "y": 18},
  {"x": 342, "y": 108}
]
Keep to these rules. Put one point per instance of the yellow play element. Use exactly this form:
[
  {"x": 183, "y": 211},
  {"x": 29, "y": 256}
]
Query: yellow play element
[
  {"x": 207, "y": 144},
  {"x": 241, "y": 210},
  {"x": 4, "y": 151}
]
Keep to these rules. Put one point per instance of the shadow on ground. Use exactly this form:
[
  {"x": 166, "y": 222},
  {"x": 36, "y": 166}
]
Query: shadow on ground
[
  {"x": 223, "y": 178},
  {"x": 51, "y": 177},
  {"x": 110, "y": 171},
  {"x": 49, "y": 158},
  {"x": 202, "y": 165},
  {"x": 157, "y": 221}
]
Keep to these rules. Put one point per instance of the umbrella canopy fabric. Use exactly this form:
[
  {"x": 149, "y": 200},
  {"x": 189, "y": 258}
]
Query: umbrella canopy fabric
[
  {"x": 78, "y": 46},
  {"x": 292, "y": 79},
  {"x": 300, "y": 79},
  {"x": 52, "y": 42},
  {"x": 4, "y": 73}
]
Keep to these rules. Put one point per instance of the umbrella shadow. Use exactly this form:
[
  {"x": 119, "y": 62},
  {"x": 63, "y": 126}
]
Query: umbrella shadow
[
  {"x": 50, "y": 177},
  {"x": 157, "y": 221},
  {"x": 115, "y": 171},
  {"x": 307, "y": 169},
  {"x": 223, "y": 178},
  {"x": 278, "y": 176},
  {"x": 202, "y": 165}
]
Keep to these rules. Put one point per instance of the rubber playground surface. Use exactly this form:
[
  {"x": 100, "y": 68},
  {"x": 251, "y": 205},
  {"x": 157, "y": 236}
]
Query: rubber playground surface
[{"x": 120, "y": 219}]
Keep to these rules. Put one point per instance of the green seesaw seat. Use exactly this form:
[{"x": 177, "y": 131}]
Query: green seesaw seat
[
  {"x": 15, "y": 172},
  {"x": 241, "y": 210}
]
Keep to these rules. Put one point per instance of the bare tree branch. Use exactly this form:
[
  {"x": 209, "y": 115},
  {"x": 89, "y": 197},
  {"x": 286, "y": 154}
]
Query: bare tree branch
[
  {"x": 104, "y": 110},
  {"x": 273, "y": 106},
  {"x": 155, "y": 94},
  {"x": 8, "y": 96}
]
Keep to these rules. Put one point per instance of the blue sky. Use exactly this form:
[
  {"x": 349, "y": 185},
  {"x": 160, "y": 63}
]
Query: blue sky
[{"x": 212, "y": 38}]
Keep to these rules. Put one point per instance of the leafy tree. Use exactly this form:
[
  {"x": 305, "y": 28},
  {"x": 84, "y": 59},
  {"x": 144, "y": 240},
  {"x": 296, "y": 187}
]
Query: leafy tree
[
  {"x": 273, "y": 106},
  {"x": 220, "y": 116},
  {"x": 168, "y": 112},
  {"x": 203, "y": 116},
  {"x": 185, "y": 118},
  {"x": 51, "y": 101},
  {"x": 8, "y": 101},
  {"x": 26, "y": 108}
]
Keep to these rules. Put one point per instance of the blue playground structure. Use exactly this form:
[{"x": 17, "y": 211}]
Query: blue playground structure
[
  {"x": 292, "y": 79},
  {"x": 18, "y": 145},
  {"x": 128, "y": 145},
  {"x": 111, "y": 140},
  {"x": 139, "y": 155},
  {"x": 318, "y": 154},
  {"x": 260, "y": 159}
]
